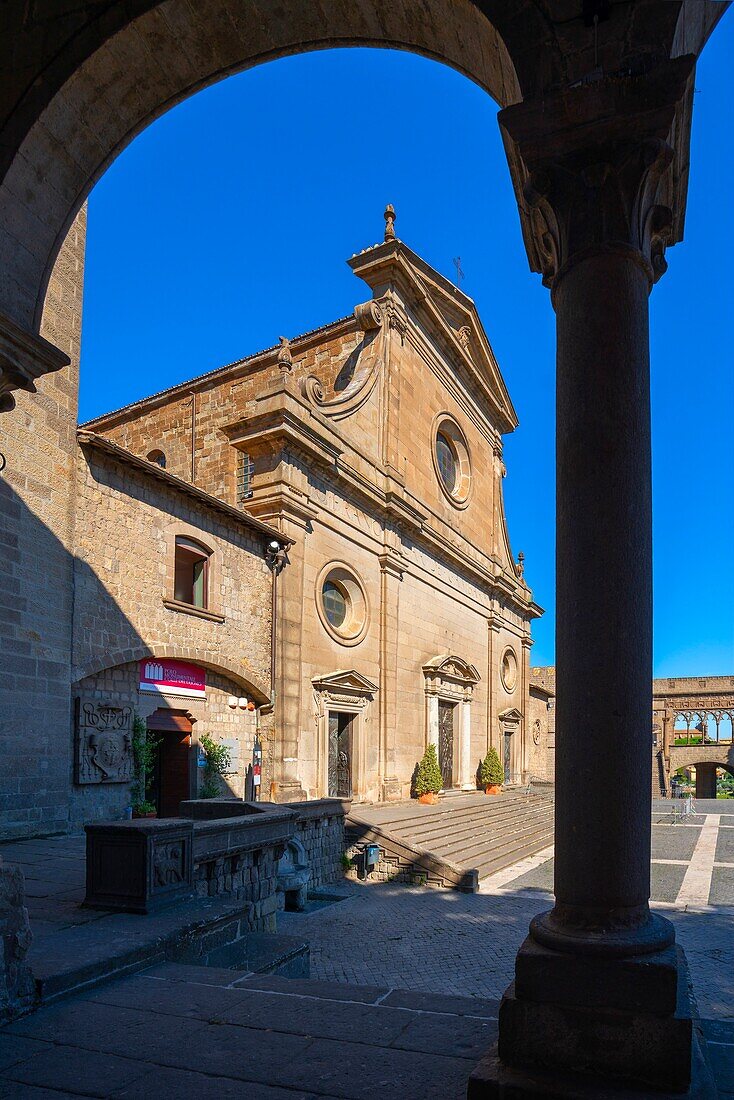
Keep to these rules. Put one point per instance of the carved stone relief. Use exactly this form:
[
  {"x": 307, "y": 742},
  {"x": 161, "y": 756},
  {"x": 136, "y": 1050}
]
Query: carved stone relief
[{"x": 104, "y": 751}]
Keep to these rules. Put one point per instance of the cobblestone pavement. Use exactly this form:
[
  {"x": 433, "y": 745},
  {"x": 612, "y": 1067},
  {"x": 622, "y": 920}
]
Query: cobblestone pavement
[{"x": 465, "y": 944}]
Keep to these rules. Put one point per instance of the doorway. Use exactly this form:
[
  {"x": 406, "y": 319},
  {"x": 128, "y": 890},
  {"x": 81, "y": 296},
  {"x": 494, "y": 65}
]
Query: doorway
[
  {"x": 341, "y": 747},
  {"x": 508, "y": 756},
  {"x": 446, "y": 742},
  {"x": 172, "y": 777}
]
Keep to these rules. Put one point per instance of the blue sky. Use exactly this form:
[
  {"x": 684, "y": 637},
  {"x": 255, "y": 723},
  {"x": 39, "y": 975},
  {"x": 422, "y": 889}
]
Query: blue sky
[{"x": 227, "y": 223}]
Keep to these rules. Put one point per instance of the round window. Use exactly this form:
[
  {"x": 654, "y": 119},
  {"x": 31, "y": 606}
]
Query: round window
[
  {"x": 341, "y": 603},
  {"x": 508, "y": 671},
  {"x": 451, "y": 460},
  {"x": 448, "y": 465},
  {"x": 335, "y": 600}
]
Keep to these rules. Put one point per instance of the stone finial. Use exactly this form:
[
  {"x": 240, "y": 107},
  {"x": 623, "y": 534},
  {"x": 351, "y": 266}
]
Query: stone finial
[
  {"x": 390, "y": 222},
  {"x": 285, "y": 358},
  {"x": 521, "y": 565}
]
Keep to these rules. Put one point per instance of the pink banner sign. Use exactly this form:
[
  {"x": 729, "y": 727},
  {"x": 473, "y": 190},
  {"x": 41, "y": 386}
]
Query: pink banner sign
[{"x": 172, "y": 677}]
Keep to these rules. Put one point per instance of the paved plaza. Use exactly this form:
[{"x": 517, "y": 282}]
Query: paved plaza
[{"x": 403, "y": 996}]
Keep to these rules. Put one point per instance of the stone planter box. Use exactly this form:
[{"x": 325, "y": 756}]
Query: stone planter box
[{"x": 139, "y": 866}]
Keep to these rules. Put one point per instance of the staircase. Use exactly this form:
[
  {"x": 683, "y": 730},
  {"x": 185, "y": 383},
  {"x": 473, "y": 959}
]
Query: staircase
[{"x": 463, "y": 839}]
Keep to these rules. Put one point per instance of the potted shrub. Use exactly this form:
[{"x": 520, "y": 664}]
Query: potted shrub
[
  {"x": 491, "y": 773},
  {"x": 145, "y": 750},
  {"x": 216, "y": 766},
  {"x": 428, "y": 780}
]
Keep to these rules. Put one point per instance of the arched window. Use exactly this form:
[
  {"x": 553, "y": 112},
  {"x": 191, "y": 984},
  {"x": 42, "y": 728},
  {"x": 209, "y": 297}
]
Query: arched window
[
  {"x": 192, "y": 572},
  {"x": 158, "y": 457}
]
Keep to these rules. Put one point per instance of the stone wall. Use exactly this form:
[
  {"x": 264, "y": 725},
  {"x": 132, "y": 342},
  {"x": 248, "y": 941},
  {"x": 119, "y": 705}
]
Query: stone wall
[
  {"x": 37, "y": 487},
  {"x": 127, "y": 522},
  {"x": 17, "y": 987},
  {"x": 320, "y": 829}
]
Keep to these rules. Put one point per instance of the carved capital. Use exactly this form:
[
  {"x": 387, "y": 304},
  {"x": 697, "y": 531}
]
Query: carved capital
[{"x": 603, "y": 169}]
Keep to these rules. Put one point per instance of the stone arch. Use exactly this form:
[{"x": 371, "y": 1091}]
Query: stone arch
[
  {"x": 106, "y": 85},
  {"x": 208, "y": 659}
]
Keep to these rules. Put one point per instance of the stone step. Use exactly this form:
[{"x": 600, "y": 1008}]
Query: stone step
[
  {"x": 470, "y": 827},
  {"x": 450, "y": 844},
  {"x": 201, "y": 931},
  {"x": 457, "y": 843}
]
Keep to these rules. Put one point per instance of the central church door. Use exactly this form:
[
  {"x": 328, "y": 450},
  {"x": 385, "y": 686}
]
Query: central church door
[
  {"x": 446, "y": 742},
  {"x": 340, "y": 754}
]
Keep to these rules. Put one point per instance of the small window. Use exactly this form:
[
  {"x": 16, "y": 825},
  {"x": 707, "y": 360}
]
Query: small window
[
  {"x": 158, "y": 457},
  {"x": 192, "y": 573},
  {"x": 335, "y": 601},
  {"x": 447, "y": 464},
  {"x": 245, "y": 469}
]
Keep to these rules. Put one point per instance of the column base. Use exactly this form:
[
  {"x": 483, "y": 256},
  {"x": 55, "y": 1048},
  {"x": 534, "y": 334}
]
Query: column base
[
  {"x": 392, "y": 789},
  {"x": 596, "y": 1027},
  {"x": 289, "y": 792}
]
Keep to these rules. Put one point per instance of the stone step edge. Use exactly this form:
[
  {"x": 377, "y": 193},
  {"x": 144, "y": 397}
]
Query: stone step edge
[
  {"x": 477, "y": 840},
  {"x": 425, "y": 862},
  {"x": 496, "y": 842},
  {"x": 468, "y": 829},
  {"x": 503, "y": 807}
]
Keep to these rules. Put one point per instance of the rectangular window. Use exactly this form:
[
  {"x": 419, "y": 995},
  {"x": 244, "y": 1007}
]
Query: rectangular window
[
  {"x": 192, "y": 569},
  {"x": 245, "y": 470}
]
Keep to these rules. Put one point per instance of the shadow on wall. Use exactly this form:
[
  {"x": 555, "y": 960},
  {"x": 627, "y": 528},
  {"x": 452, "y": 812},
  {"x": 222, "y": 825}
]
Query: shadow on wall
[{"x": 38, "y": 579}]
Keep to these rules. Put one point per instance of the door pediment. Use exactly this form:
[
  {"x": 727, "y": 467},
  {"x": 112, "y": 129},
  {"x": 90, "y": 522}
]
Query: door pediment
[
  {"x": 511, "y": 715},
  {"x": 446, "y": 666},
  {"x": 345, "y": 681}
]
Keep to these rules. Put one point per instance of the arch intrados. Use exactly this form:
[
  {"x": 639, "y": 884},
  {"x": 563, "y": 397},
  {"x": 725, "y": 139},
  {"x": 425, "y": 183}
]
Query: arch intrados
[
  {"x": 116, "y": 90},
  {"x": 207, "y": 660}
]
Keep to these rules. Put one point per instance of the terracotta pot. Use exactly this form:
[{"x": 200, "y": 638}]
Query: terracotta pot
[
  {"x": 429, "y": 799},
  {"x": 153, "y": 814},
  {"x": 493, "y": 790}
]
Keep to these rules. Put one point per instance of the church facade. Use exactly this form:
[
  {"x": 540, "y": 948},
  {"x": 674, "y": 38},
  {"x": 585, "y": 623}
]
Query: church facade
[{"x": 398, "y": 613}]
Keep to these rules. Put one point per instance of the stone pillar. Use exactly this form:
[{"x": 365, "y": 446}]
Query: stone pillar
[
  {"x": 705, "y": 780},
  {"x": 600, "y": 990},
  {"x": 432, "y": 710},
  {"x": 466, "y": 781},
  {"x": 17, "y": 988},
  {"x": 392, "y": 567}
]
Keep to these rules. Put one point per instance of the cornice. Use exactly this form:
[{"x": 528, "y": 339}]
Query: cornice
[{"x": 24, "y": 358}]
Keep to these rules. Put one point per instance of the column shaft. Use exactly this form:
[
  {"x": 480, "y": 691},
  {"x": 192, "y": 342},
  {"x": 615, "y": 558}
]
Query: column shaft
[{"x": 604, "y": 593}]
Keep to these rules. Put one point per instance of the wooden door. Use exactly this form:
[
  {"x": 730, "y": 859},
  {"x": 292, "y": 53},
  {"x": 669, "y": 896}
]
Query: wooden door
[
  {"x": 446, "y": 742},
  {"x": 172, "y": 784},
  {"x": 508, "y": 757}
]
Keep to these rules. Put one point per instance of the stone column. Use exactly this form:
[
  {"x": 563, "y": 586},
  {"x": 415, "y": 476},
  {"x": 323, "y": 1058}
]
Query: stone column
[
  {"x": 598, "y": 982},
  {"x": 432, "y": 710},
  {"x": 466, "y": 781}
]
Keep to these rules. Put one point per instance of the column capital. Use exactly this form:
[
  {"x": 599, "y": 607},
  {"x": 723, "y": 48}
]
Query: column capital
[{"x": 604, "y": 168}]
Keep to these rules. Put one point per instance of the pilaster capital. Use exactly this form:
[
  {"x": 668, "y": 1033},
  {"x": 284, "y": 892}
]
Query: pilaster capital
[{"x": 604, "y": 168}]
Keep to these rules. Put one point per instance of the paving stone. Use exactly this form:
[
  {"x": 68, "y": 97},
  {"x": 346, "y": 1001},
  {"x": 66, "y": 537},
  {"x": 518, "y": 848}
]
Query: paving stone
[
  {"x": 15, "y": 1090},
  {"x": 672, "y": 842},
  {"x": 63, "y": 1068},
  {"x": 157, "y": 995},
  {"x": 666, "y": 881},
  {"x": 175, "y": 1084},
  {"x": 76, "y": 1021},
  {"x": 430, "y": 1002},
  {"x": 17, "y": 1048},
  {"x": 722, "y": 887},
  {"x": 317, "y": 1018},
  {"x": 453, "y": 1036},
  {"x": 365, "y": 994},
  {"x": 725, "y": 846},
  {"x": 197, "y": 975}
]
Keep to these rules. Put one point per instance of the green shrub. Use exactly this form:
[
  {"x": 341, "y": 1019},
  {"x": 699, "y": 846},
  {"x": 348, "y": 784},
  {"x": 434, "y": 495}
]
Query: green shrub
[
  {"x": 145, "y": 750},
  {"x": 491, "y": 772},
  {"x": 216, "y": 766},
  {"x": 428, "y": 779}
]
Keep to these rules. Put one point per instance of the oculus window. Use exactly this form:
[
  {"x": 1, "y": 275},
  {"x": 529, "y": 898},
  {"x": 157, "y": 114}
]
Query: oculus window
[
  {"x": 451, "y": 460},
  {"x": 191, "y": 584},
  {"x": 508, "y": 670},
  {"x": 341, "y": 602}
]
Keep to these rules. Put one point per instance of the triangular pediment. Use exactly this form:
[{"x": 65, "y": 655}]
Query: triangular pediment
[
  {"x": 451, "y": 667},
  {"x": 345, "y": 680},
  {"x": 511, "y": 715},
  {"x": 448, "y": 315}
]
